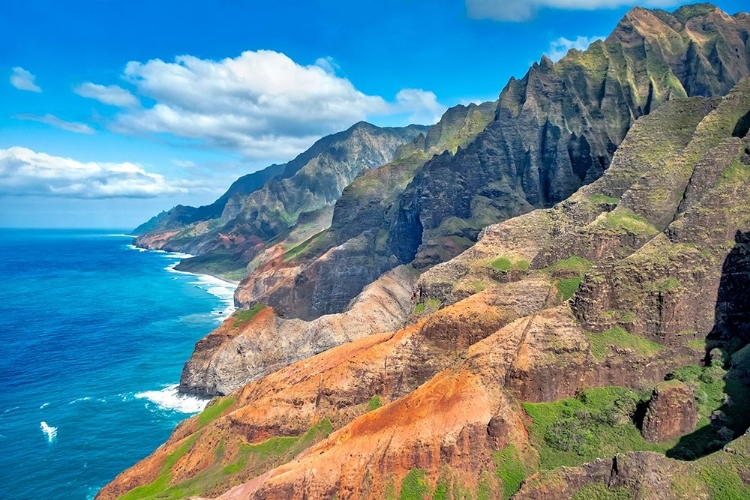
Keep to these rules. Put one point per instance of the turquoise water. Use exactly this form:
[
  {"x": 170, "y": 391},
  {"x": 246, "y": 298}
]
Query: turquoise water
[{"x": 93, "y": 337}]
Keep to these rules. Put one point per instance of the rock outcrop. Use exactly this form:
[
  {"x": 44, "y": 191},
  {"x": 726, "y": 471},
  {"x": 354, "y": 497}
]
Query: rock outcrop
[
  {"x": 671, "y": 412},
  {"x": 254, "y": 343}
]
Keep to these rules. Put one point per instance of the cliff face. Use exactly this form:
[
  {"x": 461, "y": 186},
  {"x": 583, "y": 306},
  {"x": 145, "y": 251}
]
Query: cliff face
[
  {"x": 259, "y": 207},
  {"x": 553, "y": 131},
  {"x": 322, "y": 275},
  {"x": 537, "y": 348}
]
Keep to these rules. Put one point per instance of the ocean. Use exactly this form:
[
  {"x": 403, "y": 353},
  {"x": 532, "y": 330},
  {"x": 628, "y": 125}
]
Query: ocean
[{"x": 93, "y": 337}]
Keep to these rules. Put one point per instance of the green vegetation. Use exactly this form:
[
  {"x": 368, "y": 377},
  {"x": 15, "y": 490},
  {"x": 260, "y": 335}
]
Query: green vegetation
[
  {"x": 502, "y": 264},
  {"x": 505, "y": 264},
  {"x": 569, "y": 273},
  {"x": 720, "y": 396},
  {"x": 311, "y": 246},
  {"x": 510, "y": 469},
  {"x": 617, "y": 338},
  {"x": 724, "y": 483},
  {"x": 162, "y": 482},
  {"x": 572, "y": 265},
  {"x": 427, "y": 307},
  {"x": 602, "y": 199},
  {"x": 598, "y": 423},
  {"x": 214, "y": 411},
  {"x": 247, "y": 315},
  {"x": 221, "y": 262},
  {"x": 487, "y": 487},
  {"x": 441, "y": 490},
  {"x": 737, "y": 172},
  {"x": 252, "y": 459},
  {"x": 698, "y": 345},
  {"x": 599, "y": 491},
  {"x": 687, "y": 12},
  {"x": 619, "y": 220},
  {"x": 270, "y": 449},
  {"x": 374, "y": 403},
  {"x": 414, "y": 485},
  {"x": 665, "y": 285},
  {"x": 567, "y": 287}
]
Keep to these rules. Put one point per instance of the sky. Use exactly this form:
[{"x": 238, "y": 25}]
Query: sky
[{"x": 112, "y": 111}]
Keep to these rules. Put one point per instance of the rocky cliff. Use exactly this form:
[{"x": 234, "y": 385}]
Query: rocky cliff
[
  {"x": 266, "y": 205},
  {"x": 530, "y": 360}
]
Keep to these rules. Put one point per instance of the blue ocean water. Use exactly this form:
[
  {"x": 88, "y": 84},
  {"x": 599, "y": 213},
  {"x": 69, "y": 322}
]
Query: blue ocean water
[{"x": 93, "y": 337}]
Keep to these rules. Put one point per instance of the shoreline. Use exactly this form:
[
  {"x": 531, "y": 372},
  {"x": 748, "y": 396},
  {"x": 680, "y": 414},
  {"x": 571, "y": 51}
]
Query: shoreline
[
  {"x": 207, "y": 280},
  {"x": 182, "y": 256},
  {"x": 168, "y": 397}
]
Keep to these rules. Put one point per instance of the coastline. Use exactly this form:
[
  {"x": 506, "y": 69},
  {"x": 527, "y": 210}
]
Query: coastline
[
  {"x": 182, "y": 256},
  {"x": 169, "y": 397},
  {"x": 216, "y": 285}
]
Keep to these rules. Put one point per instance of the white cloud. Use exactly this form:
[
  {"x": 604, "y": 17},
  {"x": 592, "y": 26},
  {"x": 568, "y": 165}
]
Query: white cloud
[
  {"x": 421, "y": 105},
  {"x": 558, "y": 48},
  {"x": 328, "y": 64},
  {"x": 79, "y": 128},
  {"x": 111, "y": 94},
  {"x": 184, "y": 163},
  {"x": 23, "y": 80},
  {"x": 25, "y": 172},
  {"x": 523, "y": 10},
  {"x": 262, "y": 104}
]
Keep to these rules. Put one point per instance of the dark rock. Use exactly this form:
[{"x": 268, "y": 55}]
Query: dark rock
[{"x": 671, "y": 412}]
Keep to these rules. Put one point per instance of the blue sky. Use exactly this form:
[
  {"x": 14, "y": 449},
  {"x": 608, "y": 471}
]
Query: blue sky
[{"x": 112, "y": 111}]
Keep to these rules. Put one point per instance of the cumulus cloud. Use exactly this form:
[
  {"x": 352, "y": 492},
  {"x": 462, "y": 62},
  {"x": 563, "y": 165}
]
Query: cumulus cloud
[
  {"x": 421, "y": 105},
  {"x": 79, "y": 128},
  {"x": 523, "y": 10},
  {"x": 262, "y": 104},
  {"x": 26, "y": 172},
  {"x": 113, "y": 95},
  {"x": 558, "y": 48},
  {"x": 23, "y": 80}
]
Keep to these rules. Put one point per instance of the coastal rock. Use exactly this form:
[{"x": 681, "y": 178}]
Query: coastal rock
[
  {"x": 240, "y": 351},
  {"x": 671, "y": 412}
]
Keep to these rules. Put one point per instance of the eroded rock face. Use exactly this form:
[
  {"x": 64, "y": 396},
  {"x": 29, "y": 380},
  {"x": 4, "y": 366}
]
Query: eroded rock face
[
  {"x": 263, "y": 205},
  {"x": 232, "y": 356},
  {"x": 558, "y": 127},
  {"x": 671, "y": 412}
]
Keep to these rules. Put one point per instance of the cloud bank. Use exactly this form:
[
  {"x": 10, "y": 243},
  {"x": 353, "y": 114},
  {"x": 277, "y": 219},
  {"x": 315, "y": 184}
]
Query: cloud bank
[
  {"x": 558, "y": 48},
  {"x": 24, "y": 80},
  {"x": 26, "y": 172},
  {"x": 523, "y": 10},
  {"x": 261, "y": 103}
]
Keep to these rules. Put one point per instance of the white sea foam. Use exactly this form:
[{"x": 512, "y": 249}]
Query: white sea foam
[
  {"x": 133, "y": 247},
  {"x": 45, "y": 405},
  {"x": 78, "y": 400},
  {"x": 176, "y": 255},
  {"x": 49, "y": 431},
  {"x": 217, "y": 287},
  {"x": 168, "y": 399},
  {"x": 118, "y": 235}
]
